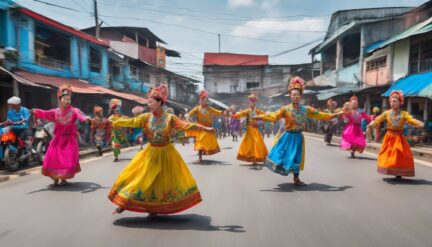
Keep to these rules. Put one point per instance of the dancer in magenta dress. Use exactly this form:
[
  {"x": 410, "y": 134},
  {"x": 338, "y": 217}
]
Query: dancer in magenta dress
[
  {"x": 62, "y": 158},
  {"x": 353, "y": 138}
]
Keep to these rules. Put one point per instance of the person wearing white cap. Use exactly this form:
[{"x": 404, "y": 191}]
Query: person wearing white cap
[{"x": 20, "y": 117}]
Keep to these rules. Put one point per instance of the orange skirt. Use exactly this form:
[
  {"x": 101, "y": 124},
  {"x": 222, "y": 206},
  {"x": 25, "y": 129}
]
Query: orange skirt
[{"x": 395, "y": 157}]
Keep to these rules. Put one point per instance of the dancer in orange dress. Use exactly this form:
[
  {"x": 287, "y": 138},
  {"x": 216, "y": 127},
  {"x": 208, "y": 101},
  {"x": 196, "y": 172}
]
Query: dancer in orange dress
[{"x": 395, "y": 157}]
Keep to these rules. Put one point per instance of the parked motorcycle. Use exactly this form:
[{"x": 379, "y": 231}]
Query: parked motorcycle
[
  {"x": 14, "y": 150},
  {"x": 42, "y": 137}
]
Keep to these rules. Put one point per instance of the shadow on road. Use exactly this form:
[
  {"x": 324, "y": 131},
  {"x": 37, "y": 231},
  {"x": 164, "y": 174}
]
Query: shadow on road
[
  {"x": 407, "y": 181},
  {"x": 289, "y": 187},
  {"x": 176, "y": 222},
  {"x": 363, "y": 158},
  {"x": 213, "y": 162},
  {"x": 83, "y": 187},
  {"x": 227, "y": 148},
  {"x": 332, "y": 145}
]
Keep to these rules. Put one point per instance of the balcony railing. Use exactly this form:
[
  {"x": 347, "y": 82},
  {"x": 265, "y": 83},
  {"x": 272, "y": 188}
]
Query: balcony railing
[
  {"x": 426, "y": 65},
  {"x": 53, "y": 63}
]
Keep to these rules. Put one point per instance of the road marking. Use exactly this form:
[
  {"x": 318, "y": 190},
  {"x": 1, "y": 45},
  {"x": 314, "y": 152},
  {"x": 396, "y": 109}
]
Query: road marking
[{"x": 420, "y": 162}]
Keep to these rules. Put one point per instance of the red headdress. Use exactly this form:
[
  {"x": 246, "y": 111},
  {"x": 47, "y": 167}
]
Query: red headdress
[
  {"x": 398, "y": 95},
  {"x": 97, "y": 110},
  {"x": 296, "y": 83},
  {"x": 330, "y": 101},
  {"x": 203, "y": 94},
  {"x": 252, "y": 97},
  {"x": 64, "y": 90},
  {"x": 159, "y": 92},
  {"x": 353, "y": 98}
]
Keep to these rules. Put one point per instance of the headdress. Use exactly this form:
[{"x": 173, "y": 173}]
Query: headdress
[
  {"x": 252, "y": 97},
  {"x": 159, "y": 92},
  {"x": 398, "y": 95},
  {"x": 115, "y": 104},
  {"x": 203, "y": 94},
  {"x": 353, "y": 98},
  {"x": 64, "y": 90},
  {"x": 97, "y": 110},
  {"x": 296, "y": 83}
]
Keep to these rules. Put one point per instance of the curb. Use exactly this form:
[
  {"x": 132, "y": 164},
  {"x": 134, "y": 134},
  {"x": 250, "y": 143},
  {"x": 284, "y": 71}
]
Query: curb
[{"x": 36, "y": 169}]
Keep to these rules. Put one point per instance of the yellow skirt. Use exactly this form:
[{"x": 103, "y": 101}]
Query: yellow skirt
[
  {"x": 252, "y": 147},
  {"x": 157, "y": 180},
  {"x": 207, "y": 142}
]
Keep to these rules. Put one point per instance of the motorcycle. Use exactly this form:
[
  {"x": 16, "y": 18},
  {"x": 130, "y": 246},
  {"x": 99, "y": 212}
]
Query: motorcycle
[
  {"x": 14, "y": 151},
  {"x": 42, "y": 138}
]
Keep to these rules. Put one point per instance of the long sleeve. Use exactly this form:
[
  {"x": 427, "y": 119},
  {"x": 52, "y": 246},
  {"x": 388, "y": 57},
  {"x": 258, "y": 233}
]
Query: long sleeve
[
  {"x": 242, "y": 113},
  {"x": 318, "y": 115},
  {"x": 136, "y": 122},
  {"x": 193, "y": 112},
  {"x": 45, "y": 115},
  {"x": 179, "y": 124},
  {"x": 366, "y": 117},
  {"x": 379, "y": 119},
  {"x": 80, "y": 116},
  {"x": 274, "y": 116},
  {"x": 214, "y": 111},
  {"x": 409, "y": 119}
]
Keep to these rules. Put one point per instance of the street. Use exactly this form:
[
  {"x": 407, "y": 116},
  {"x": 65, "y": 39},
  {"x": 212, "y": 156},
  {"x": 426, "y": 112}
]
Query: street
[{"x": 346, "y": 203}]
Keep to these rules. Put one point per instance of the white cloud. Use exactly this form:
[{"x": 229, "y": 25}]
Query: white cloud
[
  {"x": 240, "y": 3},
  {"x": 260, "y": 28},
  {"x": 269, "y": 4}
]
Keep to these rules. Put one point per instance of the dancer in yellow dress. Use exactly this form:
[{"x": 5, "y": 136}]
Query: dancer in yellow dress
[
  {"x": 206, "y": 142},
  {"x": 157, "y": 180},
  {"x": 252, "y": 147}
]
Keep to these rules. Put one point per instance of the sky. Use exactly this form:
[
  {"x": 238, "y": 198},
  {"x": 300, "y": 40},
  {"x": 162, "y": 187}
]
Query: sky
[{"x": 265, "y": 27}]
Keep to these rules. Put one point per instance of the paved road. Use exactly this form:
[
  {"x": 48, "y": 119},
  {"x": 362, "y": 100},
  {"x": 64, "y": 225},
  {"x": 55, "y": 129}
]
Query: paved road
[{"x": 345, "y": 204}]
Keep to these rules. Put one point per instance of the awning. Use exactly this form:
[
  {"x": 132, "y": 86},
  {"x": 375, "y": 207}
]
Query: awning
[
  {"x": 78, "y": 86},
  {"x": 218, "y": 103},
  {"x": 420, "y": 28},
  {"x": 413, "y": 85},
  {"x": 21, "y": 80},
  {"x": 328, "y": 93}
]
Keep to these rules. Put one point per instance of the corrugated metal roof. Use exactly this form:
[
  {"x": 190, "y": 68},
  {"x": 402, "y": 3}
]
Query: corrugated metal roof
[
  {"x": 78, "y": 86},
  {"x": 420, "y": 28},
  {"x": 413, "y": 85},
  {"x": 328, "y": 93},
  {"x": 232, "y": 59}
]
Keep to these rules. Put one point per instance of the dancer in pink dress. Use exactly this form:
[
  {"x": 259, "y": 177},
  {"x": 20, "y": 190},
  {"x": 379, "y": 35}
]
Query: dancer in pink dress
[
  {"x": 62, "y": 158},
  {"x": 352, "y": 136}
]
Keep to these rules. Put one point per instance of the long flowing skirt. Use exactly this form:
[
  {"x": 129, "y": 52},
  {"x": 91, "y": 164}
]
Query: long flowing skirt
[
  {"x": 288, "y": 154},
  {"x": 157, "y": 180},
  {"x": 118, "y": 138},
  {"x": 252, "y": 147},
  {"x": 353, "y": 138},
  {"x": 62, "y": 157},
  {"x": 395, "y": 157},
  {"x": 207, "y": 142}
]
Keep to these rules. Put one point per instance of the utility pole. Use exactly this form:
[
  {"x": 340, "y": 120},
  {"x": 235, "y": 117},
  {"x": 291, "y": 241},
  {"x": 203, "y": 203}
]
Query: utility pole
[
  {"x": 219, "y": 41},
  {"x": 96, "y": 19}
]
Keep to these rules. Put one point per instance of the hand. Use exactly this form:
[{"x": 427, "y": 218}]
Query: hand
[
  {"x": 209, "y": 129},
  {"x": 420, "y": 125},
  {"x": 88, "y": 119},
  {"x": 257, "y": 118}
]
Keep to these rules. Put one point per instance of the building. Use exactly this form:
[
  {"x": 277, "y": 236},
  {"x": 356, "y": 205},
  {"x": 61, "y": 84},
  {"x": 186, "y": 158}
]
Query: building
[
  {"x": 343, "y": 50},
  {"x": 145, "y": 56},
  {"x": 228, "y": 76}
]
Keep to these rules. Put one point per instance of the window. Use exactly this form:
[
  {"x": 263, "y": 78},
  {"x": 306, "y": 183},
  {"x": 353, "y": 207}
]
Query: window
[
  {"x": 52, "y": 49},
  {"x": 95, "y": 60},
  {"x": 420, "y": 59},
  {"x": 351, "y": 49},
  {"x": 376, "y": 63},
  {"x": 134, "y": 72},
  {"x": 250, "y": 85}
]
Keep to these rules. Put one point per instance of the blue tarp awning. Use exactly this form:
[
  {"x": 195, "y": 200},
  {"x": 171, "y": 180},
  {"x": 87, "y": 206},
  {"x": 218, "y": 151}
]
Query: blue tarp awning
[{"x": 412, "y": 85}]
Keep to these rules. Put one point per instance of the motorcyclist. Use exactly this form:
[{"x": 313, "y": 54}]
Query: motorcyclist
[{"x": 19, "y": 118}]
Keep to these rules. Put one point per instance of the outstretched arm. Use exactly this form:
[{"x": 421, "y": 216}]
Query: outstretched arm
[{"x": 136, "y": 122}]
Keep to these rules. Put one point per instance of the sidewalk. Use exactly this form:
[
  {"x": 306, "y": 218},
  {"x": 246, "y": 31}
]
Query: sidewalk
[
  {"x": 83, "y": 153},
  {"x": 423, "y": 153}
]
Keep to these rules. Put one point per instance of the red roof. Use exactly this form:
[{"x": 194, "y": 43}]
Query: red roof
[
  {"x": 78, "y": 86},
  {"x": 63, "y": 27},
  {"x": 232, "y": 59}
]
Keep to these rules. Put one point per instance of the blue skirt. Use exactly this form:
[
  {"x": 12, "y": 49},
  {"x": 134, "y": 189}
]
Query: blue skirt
[{"x": 287, "y": 155}]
